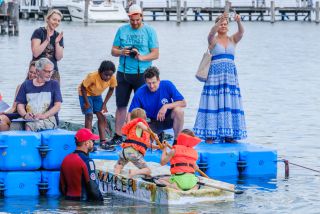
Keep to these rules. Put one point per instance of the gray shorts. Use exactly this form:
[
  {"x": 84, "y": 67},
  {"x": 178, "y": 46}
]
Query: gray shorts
[
  {"x": 45, "y": 124},
  {"x": 132, "y": 155}
]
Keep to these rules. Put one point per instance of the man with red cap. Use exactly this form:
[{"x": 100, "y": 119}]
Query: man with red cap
[{"x": 77, "y": 174}]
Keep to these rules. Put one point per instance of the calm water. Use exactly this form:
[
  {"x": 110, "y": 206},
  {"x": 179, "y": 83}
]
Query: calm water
[{"x": 278, "y": 67}]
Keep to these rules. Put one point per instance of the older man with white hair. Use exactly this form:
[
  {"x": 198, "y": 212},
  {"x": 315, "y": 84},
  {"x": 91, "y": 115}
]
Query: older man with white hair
[{"x": 39, "y": 100}]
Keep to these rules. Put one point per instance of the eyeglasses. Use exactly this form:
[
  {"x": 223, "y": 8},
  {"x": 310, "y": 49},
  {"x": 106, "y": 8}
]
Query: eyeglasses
[{"x": 47, "y": 71}]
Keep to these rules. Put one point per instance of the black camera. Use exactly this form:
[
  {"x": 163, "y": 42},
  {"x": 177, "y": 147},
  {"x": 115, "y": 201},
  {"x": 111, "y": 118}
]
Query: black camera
[{"x": 132, "y": 53}]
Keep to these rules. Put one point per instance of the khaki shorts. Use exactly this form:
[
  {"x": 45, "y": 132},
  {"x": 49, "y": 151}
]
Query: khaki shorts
[
  {"x": 45, "y": 124},
  {"x": 132, "y": 155}
]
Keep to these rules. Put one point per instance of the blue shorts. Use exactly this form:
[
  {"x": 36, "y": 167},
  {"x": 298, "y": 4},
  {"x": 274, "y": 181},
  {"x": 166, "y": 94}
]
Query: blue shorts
[{"x": 95, "y": 104}]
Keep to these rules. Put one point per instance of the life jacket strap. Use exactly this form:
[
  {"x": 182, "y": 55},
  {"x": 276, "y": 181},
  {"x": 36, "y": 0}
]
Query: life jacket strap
[
  {"x": 182, "y": 164},
  {"x": 137, "y": 143}
]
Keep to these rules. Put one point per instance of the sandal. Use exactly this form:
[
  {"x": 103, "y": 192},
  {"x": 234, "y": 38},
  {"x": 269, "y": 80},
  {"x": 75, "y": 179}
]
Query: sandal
[
  {"x": 209, "y": 140},
  {"x": 104, "y": 145},
  {"x": 230, "y": 140},
  {"x": 148, "y": 178}
]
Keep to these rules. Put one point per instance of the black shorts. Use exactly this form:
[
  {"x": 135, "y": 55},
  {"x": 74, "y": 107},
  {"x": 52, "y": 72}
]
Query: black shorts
[
  {"x": 127, "y": 83},
  {"x": 158, "y": 126},
  {"x": 12, "y": 116}
]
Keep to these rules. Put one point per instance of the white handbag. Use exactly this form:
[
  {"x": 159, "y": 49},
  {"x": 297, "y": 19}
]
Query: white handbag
[{"x": 203, "y": 69}]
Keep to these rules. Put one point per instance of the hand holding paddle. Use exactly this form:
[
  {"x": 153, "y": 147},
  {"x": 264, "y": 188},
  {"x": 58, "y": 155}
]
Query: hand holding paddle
[{"x": 155, "y": 137}]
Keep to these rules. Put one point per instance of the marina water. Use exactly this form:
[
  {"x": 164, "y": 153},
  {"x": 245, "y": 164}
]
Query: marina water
[{"x": 278, "y": 68}]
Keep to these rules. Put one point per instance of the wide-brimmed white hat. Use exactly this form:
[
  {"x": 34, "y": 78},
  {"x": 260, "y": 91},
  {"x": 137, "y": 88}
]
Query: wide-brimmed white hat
[{"x": 134, "y": 9}]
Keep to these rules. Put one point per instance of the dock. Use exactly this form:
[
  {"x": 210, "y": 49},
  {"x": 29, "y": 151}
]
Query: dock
[
  {"x": 9, "y": 18},
  {"x": 184, "y": 10},
  {"x": 172, "y": 10},
  {"x": 192, "y": 10}
]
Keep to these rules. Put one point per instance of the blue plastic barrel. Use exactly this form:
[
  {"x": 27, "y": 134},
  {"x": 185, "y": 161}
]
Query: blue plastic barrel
[
  {"x": 56, "y": 144},
  {"x": 19, "y": 150},
  {"x": 20, "y": 183},
  {"x": 50, "y": 179}
]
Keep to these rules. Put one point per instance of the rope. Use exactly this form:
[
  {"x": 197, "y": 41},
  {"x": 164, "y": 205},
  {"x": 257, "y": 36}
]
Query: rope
[
  {"x": 304, "y": 167},
  {"x": 286, "y": 163}
]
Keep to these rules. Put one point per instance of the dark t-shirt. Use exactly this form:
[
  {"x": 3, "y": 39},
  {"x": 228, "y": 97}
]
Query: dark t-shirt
[
  {"x": 50, "y": 51},
  {"x": 39, "y": 99}
]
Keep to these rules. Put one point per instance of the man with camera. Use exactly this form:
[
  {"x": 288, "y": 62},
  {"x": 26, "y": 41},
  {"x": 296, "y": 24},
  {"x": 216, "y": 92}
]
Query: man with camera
[{"x": 136, "y": 45}]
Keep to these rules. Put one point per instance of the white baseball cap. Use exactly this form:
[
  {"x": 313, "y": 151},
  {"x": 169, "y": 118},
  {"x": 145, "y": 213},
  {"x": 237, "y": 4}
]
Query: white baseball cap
[{"x": 134, "y": 9}]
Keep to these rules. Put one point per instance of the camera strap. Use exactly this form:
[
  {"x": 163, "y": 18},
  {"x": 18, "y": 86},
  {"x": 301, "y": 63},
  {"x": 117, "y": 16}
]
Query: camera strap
[{"x": 124, "y": 67}]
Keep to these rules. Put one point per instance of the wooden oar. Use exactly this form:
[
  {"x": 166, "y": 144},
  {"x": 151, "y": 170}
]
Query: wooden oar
[
  {"x": 153, "y": 135},
  {"x": 222, "y": 188},
  {"x": 206, "y": 176}
]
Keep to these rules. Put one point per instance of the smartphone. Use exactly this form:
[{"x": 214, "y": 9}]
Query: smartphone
[{"x": 227, "y": 7}]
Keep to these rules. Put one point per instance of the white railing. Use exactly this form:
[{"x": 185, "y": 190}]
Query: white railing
[
  {"x": 221, "y": 3},
  {"x": 33, "y": 5}
]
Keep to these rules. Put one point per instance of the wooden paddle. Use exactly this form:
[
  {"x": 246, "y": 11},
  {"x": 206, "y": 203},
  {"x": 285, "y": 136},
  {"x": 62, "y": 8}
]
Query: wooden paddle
[
  {"x": 222, "y": 188},
  {"x": 153, "y": 135}
]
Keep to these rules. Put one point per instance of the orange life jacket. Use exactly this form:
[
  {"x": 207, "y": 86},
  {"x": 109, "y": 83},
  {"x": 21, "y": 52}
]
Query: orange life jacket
[
  {"x": 138, "y": 143},
  {"x": 185, "y": 157}
]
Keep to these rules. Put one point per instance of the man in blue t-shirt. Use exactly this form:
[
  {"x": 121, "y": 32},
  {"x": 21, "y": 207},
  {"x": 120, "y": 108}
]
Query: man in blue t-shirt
[
  {"x": 136, "y": 45},
  {"x": 162, "y": 102},
  {"x": 39, "y": 100}
]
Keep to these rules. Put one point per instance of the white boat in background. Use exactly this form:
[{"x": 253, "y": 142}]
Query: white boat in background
[{"x": 98, "y": 11}]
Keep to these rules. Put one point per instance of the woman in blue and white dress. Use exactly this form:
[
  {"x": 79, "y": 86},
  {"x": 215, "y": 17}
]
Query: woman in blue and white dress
[{"x": 220, "y": 116}]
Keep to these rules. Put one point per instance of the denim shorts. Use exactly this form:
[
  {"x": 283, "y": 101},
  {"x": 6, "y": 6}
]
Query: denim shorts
[{"x": 95, "y": 104}]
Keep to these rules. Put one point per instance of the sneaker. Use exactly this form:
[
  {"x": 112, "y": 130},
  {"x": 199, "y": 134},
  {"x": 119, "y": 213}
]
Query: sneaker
[
  {"x": 104, "y": 145},
  {"x": 174, "y": 142},
  {"x": 116, "y": 140},
  {"x": 161, "y": 136}
]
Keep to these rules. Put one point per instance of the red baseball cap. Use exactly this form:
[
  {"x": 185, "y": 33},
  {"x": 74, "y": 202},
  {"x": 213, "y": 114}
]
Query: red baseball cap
[{"x": 85, "y": 134}]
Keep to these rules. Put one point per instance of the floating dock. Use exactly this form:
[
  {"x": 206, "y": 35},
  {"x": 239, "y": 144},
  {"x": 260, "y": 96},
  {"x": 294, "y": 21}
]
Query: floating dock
[{"x": 30, "y": 162}]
